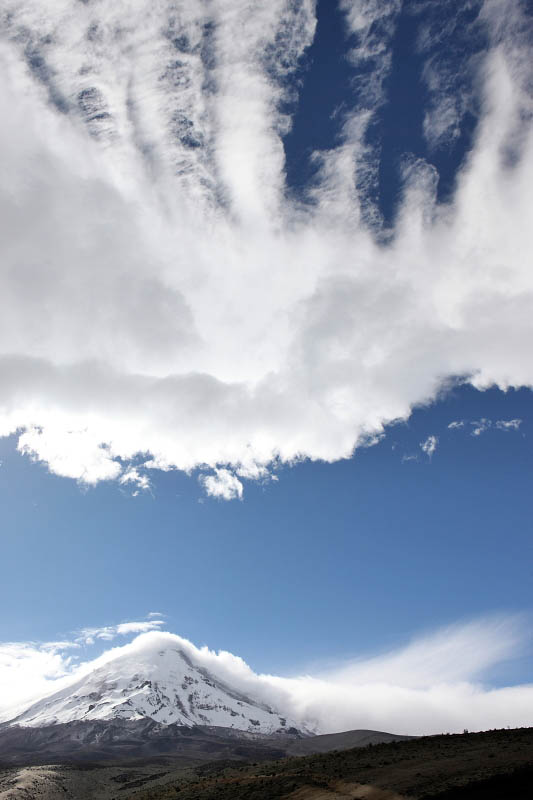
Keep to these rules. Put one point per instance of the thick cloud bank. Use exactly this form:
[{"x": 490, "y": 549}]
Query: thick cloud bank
[
  {"x": 161, "y": 296},
  {"x": 432, "y": 685}
]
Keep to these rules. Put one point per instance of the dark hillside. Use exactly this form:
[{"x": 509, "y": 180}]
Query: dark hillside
[{"x": 492, "y": 764}]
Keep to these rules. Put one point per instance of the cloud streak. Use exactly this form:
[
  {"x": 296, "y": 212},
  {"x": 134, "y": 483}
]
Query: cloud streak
[
  {"x": 164, "y": 304},
  {"x": 110, "y": 632},
  {"x": 432, "y": 684}
]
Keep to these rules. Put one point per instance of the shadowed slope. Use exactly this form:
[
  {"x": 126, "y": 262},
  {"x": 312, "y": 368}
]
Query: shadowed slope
[{"x": 446, "y": 767}]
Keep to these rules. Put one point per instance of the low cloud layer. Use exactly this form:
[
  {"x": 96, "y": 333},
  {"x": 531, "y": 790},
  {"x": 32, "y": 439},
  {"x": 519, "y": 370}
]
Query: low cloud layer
[
  {"x": 163, "y": 304},
  {"x": 433, "y": 684}
]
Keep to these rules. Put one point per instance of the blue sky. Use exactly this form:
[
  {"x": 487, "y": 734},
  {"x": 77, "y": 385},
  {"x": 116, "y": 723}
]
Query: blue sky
[
  {"x": 241, "y": 277},
  {"x": 328, "y": 562}
]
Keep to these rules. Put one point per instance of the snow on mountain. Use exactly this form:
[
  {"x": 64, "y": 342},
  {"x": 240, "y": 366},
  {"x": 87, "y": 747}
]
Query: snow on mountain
[{"x": 162, "y": 681}]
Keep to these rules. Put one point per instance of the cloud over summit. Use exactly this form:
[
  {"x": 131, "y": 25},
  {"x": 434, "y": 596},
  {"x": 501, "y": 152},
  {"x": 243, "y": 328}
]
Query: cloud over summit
[
  {"x": 434, "y": 682},
  {"x": 160, "y": 294}
]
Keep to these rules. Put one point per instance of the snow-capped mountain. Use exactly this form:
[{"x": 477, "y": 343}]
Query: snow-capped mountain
[{"x": 160, "y": 681}]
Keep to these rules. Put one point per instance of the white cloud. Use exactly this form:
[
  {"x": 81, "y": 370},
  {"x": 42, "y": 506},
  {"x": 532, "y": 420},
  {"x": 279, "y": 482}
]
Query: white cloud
[
  {"x": 432, "y": 684},
  {"x": 161, "y": 295},
  {"x": 131, "y": 475},
  {"x": 223, "y": 485},
  {"x": 110, "y": 632},
  {"x": 70, "y": 453},
  {"x": 508, "y": 424},
  {"x": 125, "y": 628},
  {"x": 483, "y": 425},
  {"x": 447, "y": 72},
  {"x": 429, "y": 445},
  {"x": 480, "y": 426},
  {"x": 456, "y": 425},
  {"x": 28, "y": 671}
]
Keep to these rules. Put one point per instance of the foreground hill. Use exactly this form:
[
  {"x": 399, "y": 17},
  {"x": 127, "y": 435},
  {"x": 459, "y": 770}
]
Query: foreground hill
[{"x": 496, "y": 765}]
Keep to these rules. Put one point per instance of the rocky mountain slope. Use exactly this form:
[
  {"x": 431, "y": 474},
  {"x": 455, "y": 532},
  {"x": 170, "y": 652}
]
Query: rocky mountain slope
[
  {"x": 161, "y": 682},
  {"x": 122, "y": 740},
  {"x": 115, "y": 740}
]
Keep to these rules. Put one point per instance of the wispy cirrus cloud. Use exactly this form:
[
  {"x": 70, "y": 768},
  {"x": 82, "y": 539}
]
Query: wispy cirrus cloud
[
  {"x": 456, "y": 425},
  {"x": 484, "y": 424},
  {"x": 480, "y": 426},
  {"x": 173, "y": 308},
  {"x": 110, "y": 632},
  {"x": 429, "y": 445},
  {"x": 508, "y": 424}
]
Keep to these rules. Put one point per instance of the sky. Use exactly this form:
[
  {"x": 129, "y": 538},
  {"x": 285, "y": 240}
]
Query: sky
[{"x": 265, "y": 335}]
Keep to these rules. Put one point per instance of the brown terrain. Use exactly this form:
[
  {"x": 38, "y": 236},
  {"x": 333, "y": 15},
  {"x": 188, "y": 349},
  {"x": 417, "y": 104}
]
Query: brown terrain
[{"x": 479, "y": 766}]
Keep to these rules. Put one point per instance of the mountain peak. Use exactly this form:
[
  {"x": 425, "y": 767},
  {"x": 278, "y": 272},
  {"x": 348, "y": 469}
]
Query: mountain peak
[{"x": 160, "y": 677}]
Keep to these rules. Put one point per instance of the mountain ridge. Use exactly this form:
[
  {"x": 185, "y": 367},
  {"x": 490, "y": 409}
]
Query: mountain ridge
[{"x": 119, "y": 740}]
